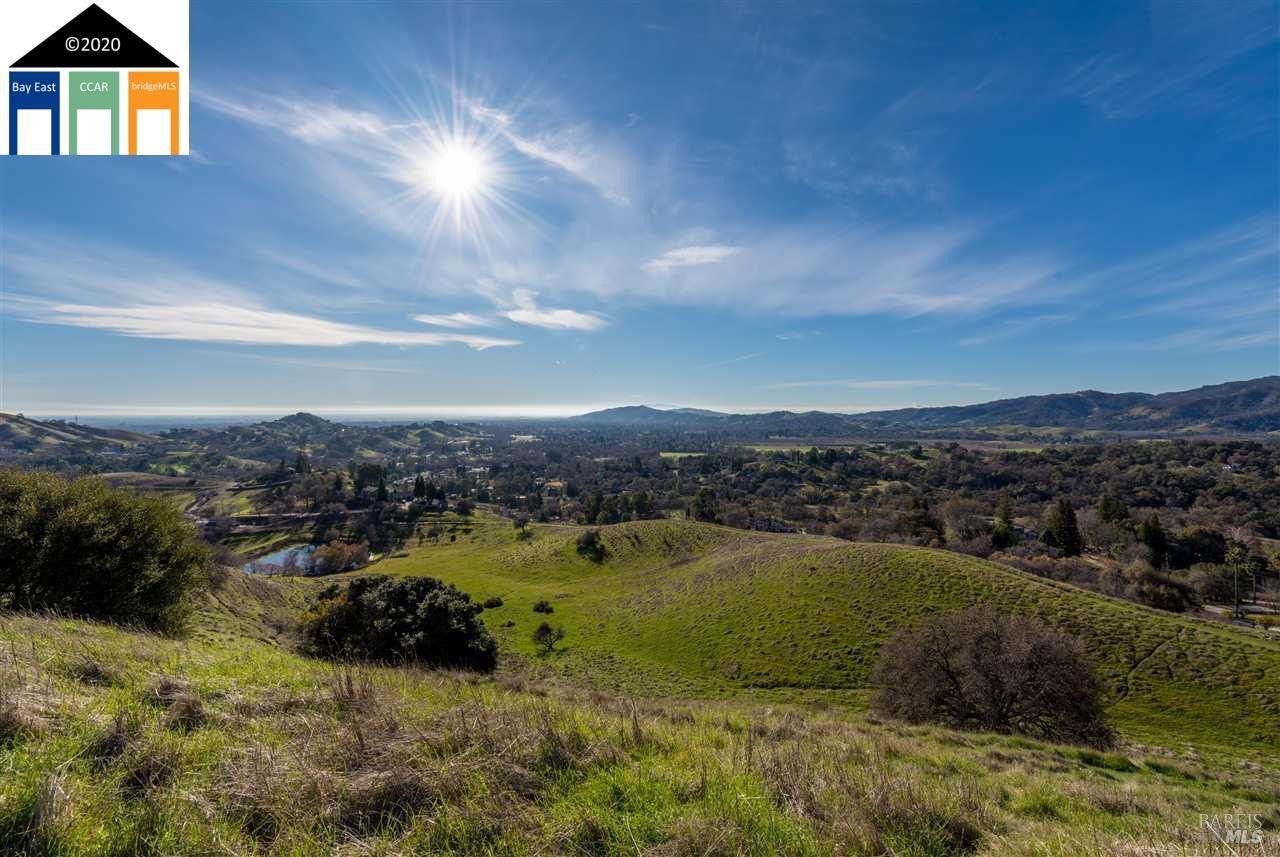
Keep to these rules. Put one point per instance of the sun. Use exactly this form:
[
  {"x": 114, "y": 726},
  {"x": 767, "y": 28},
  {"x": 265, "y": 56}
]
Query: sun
[
  {"x": 455, "y": 177},
  {"x": 458, "y": 171}
]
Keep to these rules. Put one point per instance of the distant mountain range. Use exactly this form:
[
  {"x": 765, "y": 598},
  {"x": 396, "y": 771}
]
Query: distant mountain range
[
  {"x": 1236, "y": 407},
  {"x": 1241, "y": 407}
]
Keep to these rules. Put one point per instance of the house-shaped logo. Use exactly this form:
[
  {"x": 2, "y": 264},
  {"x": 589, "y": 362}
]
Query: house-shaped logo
[
  {"x": 63, "y": 48},
  {"x": 112, "y": 89}
]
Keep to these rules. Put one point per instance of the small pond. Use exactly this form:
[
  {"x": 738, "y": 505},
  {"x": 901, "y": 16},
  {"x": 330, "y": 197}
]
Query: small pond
[{"x": 295, "y": 555}]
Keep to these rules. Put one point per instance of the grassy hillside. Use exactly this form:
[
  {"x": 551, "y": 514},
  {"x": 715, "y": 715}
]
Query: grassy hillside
[
  {"x": 688, "y": 610},
  {"x": 22, "y": 433},
  {"x": 121, "y": 743}
]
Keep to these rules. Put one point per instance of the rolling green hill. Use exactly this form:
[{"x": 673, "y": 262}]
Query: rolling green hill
[{"x": 682, "y": 609}]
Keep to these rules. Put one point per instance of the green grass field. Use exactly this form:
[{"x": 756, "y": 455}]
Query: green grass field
[{"x": 687, "y": 610}]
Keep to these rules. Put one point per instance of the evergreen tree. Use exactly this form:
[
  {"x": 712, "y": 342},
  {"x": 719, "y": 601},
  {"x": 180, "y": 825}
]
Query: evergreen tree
[
  {"x": 594, "y": 507},
  {"x": 1061, "y": 529},
  {"x": 1113, "y": 510},
  {"x": 1002, "y": 534},
  {"x": 419, "y": 488},
  {"x": 703, "y": 507},
  {"x": 1237, "y": 560},
  {"x": 1152, "y": 534},
  {"x": 300, "y": 464},
  {"x": 382, "y": 490},
  {"x": 1004, "y": 509},
  {"x": 921, "y": 522}
]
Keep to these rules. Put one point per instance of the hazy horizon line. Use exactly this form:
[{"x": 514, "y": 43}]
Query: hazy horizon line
[{"x": 431, "y": 411}]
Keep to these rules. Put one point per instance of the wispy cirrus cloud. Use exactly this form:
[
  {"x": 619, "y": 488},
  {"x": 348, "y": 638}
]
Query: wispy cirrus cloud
[
  {"x": 687, "y": 257},
  {"x": 81, "y": 284},
  {"x": 732, "y": 360},
  {"x": 1221, "y": 288},
  {"x": 241, "y": 325},
  {"x": 1190, "y": 44},
  {"x": 1213, "y": 338},
  {"x": 568, "y": 149},
  {"x": 525, "y": 310},
  {"x": 310, "y": 121},
  {"x": 1014, "y": 327},
  {"x": 455, "y": 320},
  {"x": 797, "y": 335}
]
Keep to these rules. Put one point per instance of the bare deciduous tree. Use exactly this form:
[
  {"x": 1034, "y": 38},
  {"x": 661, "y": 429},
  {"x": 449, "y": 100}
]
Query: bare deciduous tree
[{"x": 985, "y": 671}]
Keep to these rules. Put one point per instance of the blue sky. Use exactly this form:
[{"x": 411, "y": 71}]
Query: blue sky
[{"x": 539, "y": 208}]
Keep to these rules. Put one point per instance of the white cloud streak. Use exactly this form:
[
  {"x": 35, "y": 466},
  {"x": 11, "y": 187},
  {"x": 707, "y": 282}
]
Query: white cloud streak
[
  {"x": 1014, "y": 327},
  {"x": 527, "y": 311},
  {"x": 742, "y": 359},
  {"x": 566, "y": 149},
  {"x": 455, "y": 320},
  {"x": 80, "y": 284},
  {"x": 687, "y": 257},
  {"x": 212, "y": 322}
]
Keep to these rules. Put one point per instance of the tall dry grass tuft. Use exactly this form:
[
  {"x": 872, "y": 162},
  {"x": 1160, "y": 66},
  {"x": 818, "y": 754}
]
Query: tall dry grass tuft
[
  {"x": 49, "y": 813},
  {"x": 123, "y": 731},
  {"x": 149, "y": 769},
  {"x": 849, "y": 792},
  {"x": 265, "y": 793},
  {"x": 894, "y": 814},
  {"x": 699, "y": 836},
  {"x": 375, "y": 799},
  {"x": 352, "y": 689},
  {"x": 797, "y": 783},
  {"x": 90, "y": 670},
  {"x": 184, "y": 709}
]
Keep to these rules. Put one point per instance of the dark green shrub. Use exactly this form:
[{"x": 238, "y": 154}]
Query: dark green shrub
[
  {"x": 490, "y": 603},
  {"x": 590, "y": 546},
  {"x": 543, "y": 607},
  {"x": 400, "y": 619},
  {"x": 85, "y": 549}
]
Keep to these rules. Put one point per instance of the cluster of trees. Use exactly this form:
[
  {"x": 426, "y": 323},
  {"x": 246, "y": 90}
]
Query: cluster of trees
[
  {"x": 337, "y": 556},
  {"x": 615, "y": 508},
  {"x": 871, "y": 491}
]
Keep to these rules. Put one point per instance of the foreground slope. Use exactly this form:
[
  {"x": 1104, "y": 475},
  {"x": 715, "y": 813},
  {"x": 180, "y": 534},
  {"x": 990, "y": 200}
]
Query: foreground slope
[
  {"x": 685, "y": 609},
  {"x": 121, "y": 743}
]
